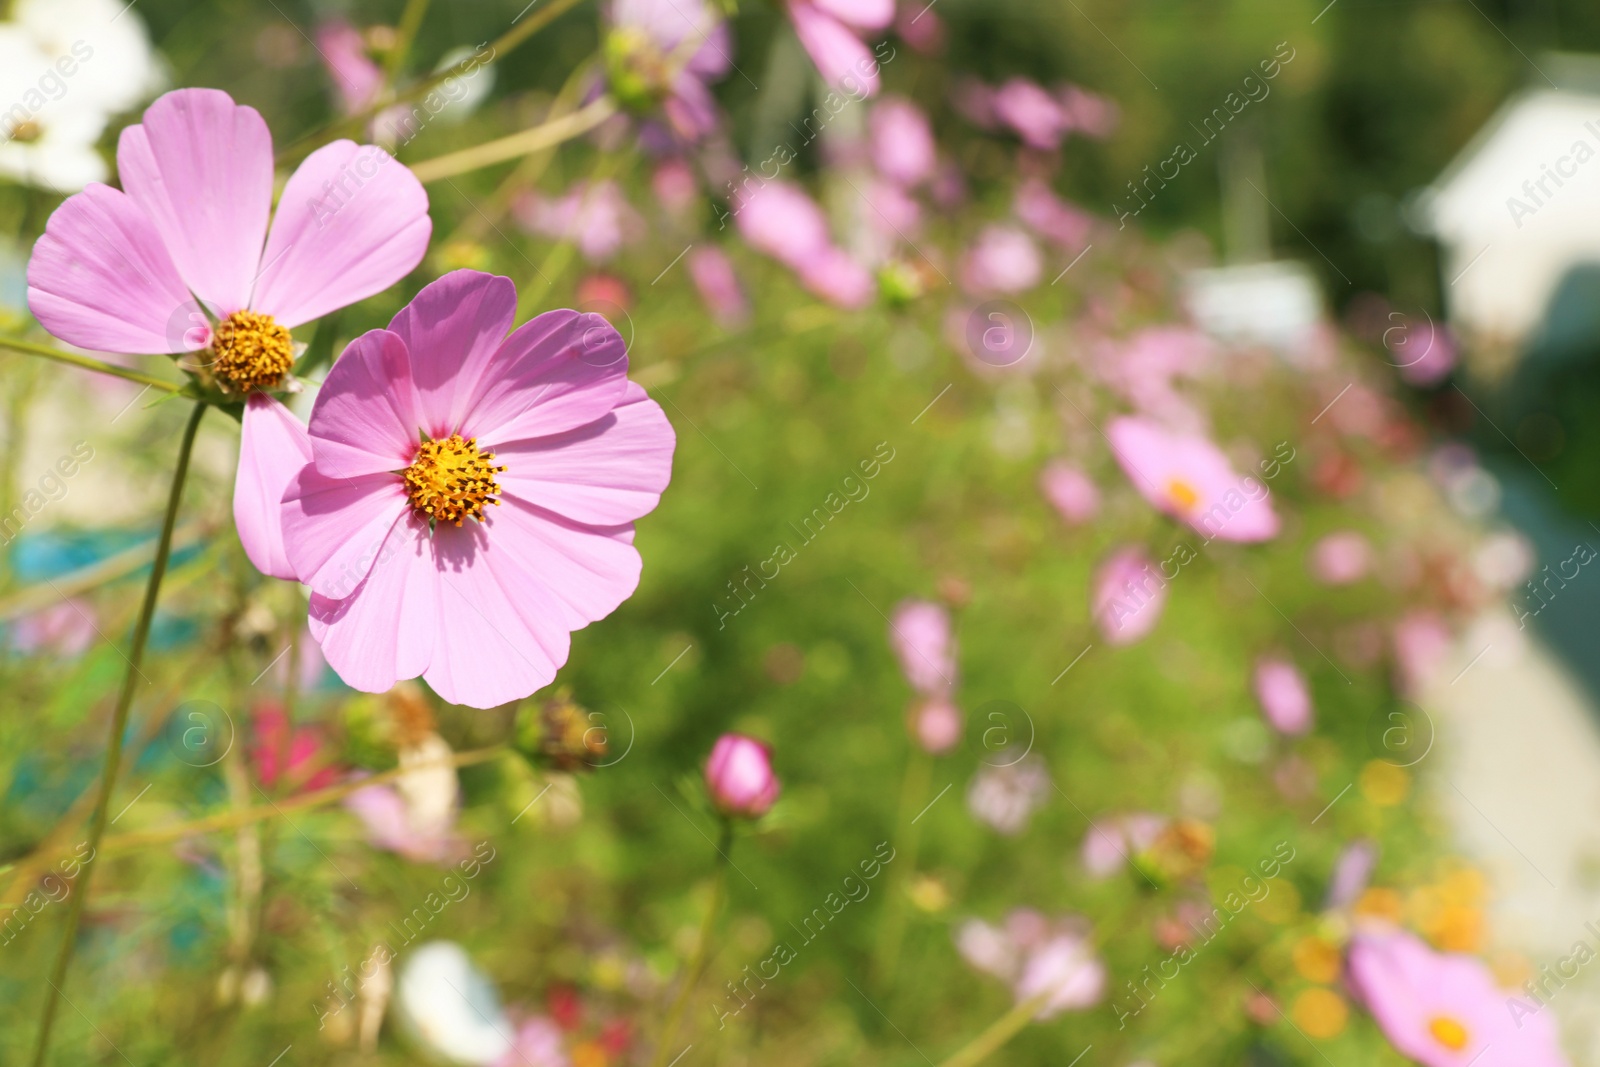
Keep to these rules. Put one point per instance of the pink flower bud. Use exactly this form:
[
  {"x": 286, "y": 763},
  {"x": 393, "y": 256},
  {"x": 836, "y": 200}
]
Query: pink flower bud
[
  {"x": 739, "y": 777},
  {"x": 937, "y": 725}
]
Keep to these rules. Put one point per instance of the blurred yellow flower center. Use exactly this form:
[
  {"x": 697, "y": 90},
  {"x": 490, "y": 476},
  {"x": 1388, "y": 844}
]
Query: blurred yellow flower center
[
  {"x": 250, "y": 351},
  {"x": 1183, "y": 495},
  {"x": 26, "y": 131},
  {"x": 1449, "y": 1033},
  {"x": 451, "y": 480}
]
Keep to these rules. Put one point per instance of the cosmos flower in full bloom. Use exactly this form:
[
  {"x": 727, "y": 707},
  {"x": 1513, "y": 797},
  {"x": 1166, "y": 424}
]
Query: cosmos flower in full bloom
[
  {"x": 827, "y": 29},
  {"x": 1190, "y": 479},
  {"x": 181, "y": 261},
  {"x": 1038, "y": 957},
  {"x": 1444, "y": 1009},
  {"x": 470, "y": 496}
]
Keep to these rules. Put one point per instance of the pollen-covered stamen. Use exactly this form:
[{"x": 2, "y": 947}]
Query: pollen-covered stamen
[
  {"x": 451, "y": 480},
  {"x": 1448, "y": 1032},
  {"x": 1183, "y": 495},
  {"x": 250, "y": 351}
]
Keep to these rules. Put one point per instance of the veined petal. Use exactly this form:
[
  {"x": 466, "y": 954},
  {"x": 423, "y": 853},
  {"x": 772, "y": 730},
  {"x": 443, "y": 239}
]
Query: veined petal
[
  {"x": 863, "y": 14},
  {"x": 335, "y": 530},
  {"x": 273, "y": 447},
  {"x": 451, "y": 330},
  {"x": 100, "y": 278},
  {"x": 200, "y": 166},
  {"x": 587, "y": 570},
  {"x": 384, "y": 631},
  {"x": 557, "y": 372},
  {"x": 607, "y": 473},
  {"x": 365, "y": 419},
  {"x": 352, "y": 221}
]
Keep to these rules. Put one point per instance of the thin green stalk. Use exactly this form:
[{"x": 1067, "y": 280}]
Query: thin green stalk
[
  {"x": 999, "y": 1032},
  {"x": 410, "y": 22},
  {"x": 908, "y": 835},
  {"x": 702, "y": 953},
  {"x": 524, "y": 142},
  {"x": 89, "y": 363},
  {"x": 119, "y": 726},
  {"x": 507, "y": 41}
]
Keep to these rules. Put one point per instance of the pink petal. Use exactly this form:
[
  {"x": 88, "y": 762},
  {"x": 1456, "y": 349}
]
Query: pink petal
[
  {"x": 607, "y": 473},
  {"x": 334, "y": 530},
  {"x": 587, "y": 570},
  {"x": 451, "y": 329},
  {"x": 383, "y": 632},
  {"x": 841, "y": 58},
  {"x": 272, "y": 448},
  {"x": 100, "y": 277},
  {"x": 490, "y": 650},
  {"x": 351, "y": 222},
  {"x": 365, "y": 419},
  {"x": 560, "y": 371},
  {"x": 201, "y": 168},
  {"x": 863, "y": 14}
]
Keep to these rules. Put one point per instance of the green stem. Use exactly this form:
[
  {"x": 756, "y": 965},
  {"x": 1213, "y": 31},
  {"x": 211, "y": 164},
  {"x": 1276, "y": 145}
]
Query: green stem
[
  {"x": 410, "y": 22},
  {"x": 697, "y": 963},
  {"x": 522, "y": 143},
  {"x": 119, "y": 725},
  {"x": 89, "y": 363},
  {"x": 999, "y": 1032},
  {"x": 908, "y": 836},
  {"x": 507, "y": 41}
]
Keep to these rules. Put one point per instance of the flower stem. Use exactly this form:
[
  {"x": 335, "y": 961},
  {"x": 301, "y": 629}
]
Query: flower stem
[
  {"x": 697, "y": 963},
  {"x": 513, "y": 37},
  {"x": 891, "y": 931},
  {"x": 119, "y": 725},
  {"x": 999, "y": 1032},
  {"x": 410, "y": 22},
  {"x": 89, "y": 363},
  {"x": 522, "y": 143}
]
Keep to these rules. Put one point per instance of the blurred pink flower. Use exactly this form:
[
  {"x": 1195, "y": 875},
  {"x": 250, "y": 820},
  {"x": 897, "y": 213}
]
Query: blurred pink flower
[
  {"x": 779, "y": 219},
  {"x": 1086, "y": 112},
  {"x": 1341, "y": 558},
  {"x": 356, "y": 78},
  {"x": 740, "y": 778},
  {"x": 537, "y": 1043},
  {"x": 1129, "y": 594},
  {"x": 1445, "y": 1010},
  {"x": 920, "y": 27},
  {"x": 974, "y": 101},
  {"x": 838, "y": 278},
  {"x": 1030, "y": 111},
  {"x": 1051, "y": 217},
  {"x": 1070, "y": 491},
  {"x": 1005, "y": 797},
  {"x": 718, "y": 285},
  {"x": 391, "y": 827},
  {"x": 1037, "y": 956},
  {"x": 675, "y": 186},
  {"x": 670, "y": 24},
  {"x": 306, "y": 748},
  {"x": 936, "y": 724},
  {"x": 888, "y": 210},
  {"x": 1422, "y": 645},
  {"x": 1113, "y": 841},
  {"x": 1423, "y": 353},
  {"x": 842, "y": 59},
  {"x": 1190, "y": 479},
  {"x": 1003, "y": 259},
  {"x": 193, "y": 213},
  {"x": 1145, "y": 368},
  {"x": 1351, "y": 873},
  {"x": 65, "y": 630},
  {"x": 902, "y": 142},
  {"x": 1284, "y": 697},
  {"x": 921, "y": 636},
  {"x": 376, "y": 523},
  {"x": 596, "y": 217}
]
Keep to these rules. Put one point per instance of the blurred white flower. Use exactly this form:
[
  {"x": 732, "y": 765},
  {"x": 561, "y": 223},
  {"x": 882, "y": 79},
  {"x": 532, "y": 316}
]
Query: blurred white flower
[
  {"x": 1005, "y": 797},
  {"x": 450, "y": 1007}
]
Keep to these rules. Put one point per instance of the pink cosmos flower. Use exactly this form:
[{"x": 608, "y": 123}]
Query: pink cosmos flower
[
  {"x": 1129, "y": 594},
  {"x": 356, "y": 78},
  {"x": 1086, "y": 113},
  {"x": 920, "y": 633},
  {"x": 1445, "y": 1010},
  {"x": 1033, "y": 113},
  {"x": 1423, "y": 352},
  {"x": 740, "y": 778},
  {"x": 391, "y": 826},
  {"x": 1070, "y": 491},
  {"x": 920, "y": 27},
  {"x": 538, "y": 1043},
  {"x": 436, "y": 420},
  {"x": 594, "y": 216},
  {"x": 718, "y": 285},
  {"x": 1351, "y": 873},
  {"x": 1003, "y": 259},
  {"x": 1036, "y": 955},
  {"x": 680, "y": 45},
  {"x": 1004, "y": 797},
  {"x": 838, "y": 278},
  {"x": 1341, "y": 558},
  {"x": 826, "y": 29},
  {"x": 306, "y": 750},
  {"x": 65, "y": 629},
  {"x": 1422, "y": 645},
  {"x": 1284, "y": 697},
  {"x": 142, "y": 270},
  {"x": 1114, "y": 841},
  {"x": 780, "y": 220},
  {"x": 1051, "y": 217},
  {"x": 1189, "y": 478},
  {"x": 902, "y": 142},
  {"x": 936, "y": 725}
]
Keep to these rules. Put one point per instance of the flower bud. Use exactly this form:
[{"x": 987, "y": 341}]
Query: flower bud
[{"x": 740, "y": 778}]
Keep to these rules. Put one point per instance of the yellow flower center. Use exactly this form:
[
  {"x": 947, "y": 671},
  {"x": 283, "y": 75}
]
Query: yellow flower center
[
  {"x": 1448, "y": 1032},
  {"x": 1183, "y": 495},
  {"x": 450, "y": 480},
  {"x": 26, "y": 131},
  {"x": 250, "y": 351}
]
